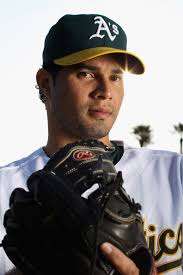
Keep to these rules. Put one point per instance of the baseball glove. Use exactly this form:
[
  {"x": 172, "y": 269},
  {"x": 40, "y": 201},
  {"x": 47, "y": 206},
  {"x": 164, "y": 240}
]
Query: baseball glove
[{"x": 74, "y": 204}]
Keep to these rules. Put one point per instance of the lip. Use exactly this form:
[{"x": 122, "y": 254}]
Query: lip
[{"x": 100, "y": 113}]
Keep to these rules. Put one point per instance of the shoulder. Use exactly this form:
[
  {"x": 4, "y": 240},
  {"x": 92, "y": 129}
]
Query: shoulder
[
  {"x": 151, "y": 153},
  {"x": 24, "y": 167},
  {"x": 132, "y": 151},
  {"x": 144, "y": 159},
  {"x": 15, "y": 175}
]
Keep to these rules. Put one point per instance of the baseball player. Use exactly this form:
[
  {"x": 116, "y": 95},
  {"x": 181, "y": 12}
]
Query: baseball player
[{"x": 81, "y": 85}]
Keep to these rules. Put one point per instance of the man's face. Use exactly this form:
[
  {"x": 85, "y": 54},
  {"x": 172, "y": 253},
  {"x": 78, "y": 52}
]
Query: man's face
[{"x": 85, "y": 98}]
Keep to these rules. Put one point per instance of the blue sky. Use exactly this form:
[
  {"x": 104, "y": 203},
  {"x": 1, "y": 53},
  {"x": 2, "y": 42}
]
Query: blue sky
[{"x": 154, "y": 30}]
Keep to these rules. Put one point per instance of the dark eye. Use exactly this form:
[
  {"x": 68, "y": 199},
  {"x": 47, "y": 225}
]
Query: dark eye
[
  {"x": 83, "y": 74},
  {"x": 116, "y": 77}
]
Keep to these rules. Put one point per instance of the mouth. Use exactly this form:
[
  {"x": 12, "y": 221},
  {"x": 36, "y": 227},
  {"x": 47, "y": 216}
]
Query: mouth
[{"x": 100, "y": 113}]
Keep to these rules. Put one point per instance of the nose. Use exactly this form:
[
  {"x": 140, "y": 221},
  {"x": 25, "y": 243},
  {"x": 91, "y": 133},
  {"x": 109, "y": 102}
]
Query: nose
[{"x": 102, "y": 90}]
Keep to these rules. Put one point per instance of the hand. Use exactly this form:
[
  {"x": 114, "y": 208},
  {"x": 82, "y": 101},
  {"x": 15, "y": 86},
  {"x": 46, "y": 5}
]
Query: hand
[{"x": 121, "y": 262}]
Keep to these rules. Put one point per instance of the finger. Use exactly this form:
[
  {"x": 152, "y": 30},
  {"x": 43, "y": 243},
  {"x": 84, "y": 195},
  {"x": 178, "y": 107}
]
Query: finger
[{"x": 119, "y": 260}]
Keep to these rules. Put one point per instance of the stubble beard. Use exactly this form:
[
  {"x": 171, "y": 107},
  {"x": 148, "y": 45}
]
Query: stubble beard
[
  {"x": 81, "y": 128},
  {"x": 94, "y": 130}
]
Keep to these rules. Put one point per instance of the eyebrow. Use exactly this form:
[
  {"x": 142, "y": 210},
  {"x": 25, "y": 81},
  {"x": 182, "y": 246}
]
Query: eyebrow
[{"x": 94, "y": 68}]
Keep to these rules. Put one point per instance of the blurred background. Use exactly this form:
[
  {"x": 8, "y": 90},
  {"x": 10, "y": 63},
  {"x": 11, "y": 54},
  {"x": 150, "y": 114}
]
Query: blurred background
[{"x": 153, "y": 101}]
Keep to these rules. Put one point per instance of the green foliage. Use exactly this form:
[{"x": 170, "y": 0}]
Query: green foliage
[
  {"x": 143, "y": 134},
  {"x": 179, "y": 129}
]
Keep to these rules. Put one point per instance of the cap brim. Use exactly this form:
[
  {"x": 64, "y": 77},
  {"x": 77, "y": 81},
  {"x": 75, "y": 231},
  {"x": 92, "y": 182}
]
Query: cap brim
[{"x": 130, "y": 62}]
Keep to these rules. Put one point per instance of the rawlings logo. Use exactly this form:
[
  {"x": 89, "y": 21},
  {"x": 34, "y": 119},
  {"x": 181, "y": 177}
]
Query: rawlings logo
[
  {"x": 83, "y": 155},
  {"x": 102, "y": 26}
]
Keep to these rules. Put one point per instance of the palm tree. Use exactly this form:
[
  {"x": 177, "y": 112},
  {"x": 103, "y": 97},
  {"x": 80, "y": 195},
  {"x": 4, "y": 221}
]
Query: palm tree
[
  {"x": 143, "y": 134},
  {"x": 179, "y": 129}
]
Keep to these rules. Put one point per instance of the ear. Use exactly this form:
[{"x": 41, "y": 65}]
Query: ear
[{"x": 43, "y": 81}]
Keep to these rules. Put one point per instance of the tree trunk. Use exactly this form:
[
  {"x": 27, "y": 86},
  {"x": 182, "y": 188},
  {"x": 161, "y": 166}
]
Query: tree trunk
[{"x": 181, "y": 143}]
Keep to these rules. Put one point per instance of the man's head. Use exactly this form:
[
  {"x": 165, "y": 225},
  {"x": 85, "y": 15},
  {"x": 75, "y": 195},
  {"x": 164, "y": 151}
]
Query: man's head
[{"x": 81, "y": 81}]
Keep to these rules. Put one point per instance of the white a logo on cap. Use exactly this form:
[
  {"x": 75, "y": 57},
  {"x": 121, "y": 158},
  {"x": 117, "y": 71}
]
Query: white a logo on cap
[{"x": 102, "y": 26}]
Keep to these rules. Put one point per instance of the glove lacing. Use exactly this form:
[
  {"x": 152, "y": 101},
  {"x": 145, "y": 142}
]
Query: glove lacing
[{"x": 100, "y": 213}]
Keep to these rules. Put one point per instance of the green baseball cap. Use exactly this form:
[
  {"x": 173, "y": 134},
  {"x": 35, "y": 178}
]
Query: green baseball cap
[{"x": 78, "y": 38}]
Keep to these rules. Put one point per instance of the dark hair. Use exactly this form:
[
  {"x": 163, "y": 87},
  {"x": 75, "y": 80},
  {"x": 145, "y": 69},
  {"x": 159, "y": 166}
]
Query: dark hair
[{"x": 52, "y": 69}]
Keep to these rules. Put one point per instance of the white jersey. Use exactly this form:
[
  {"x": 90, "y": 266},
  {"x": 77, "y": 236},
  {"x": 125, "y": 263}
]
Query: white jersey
[{"x": 153, "y": 178}]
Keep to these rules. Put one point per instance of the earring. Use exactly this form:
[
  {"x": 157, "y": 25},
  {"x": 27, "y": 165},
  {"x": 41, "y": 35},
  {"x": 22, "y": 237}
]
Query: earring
[{"x": 43, "y": 96}]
